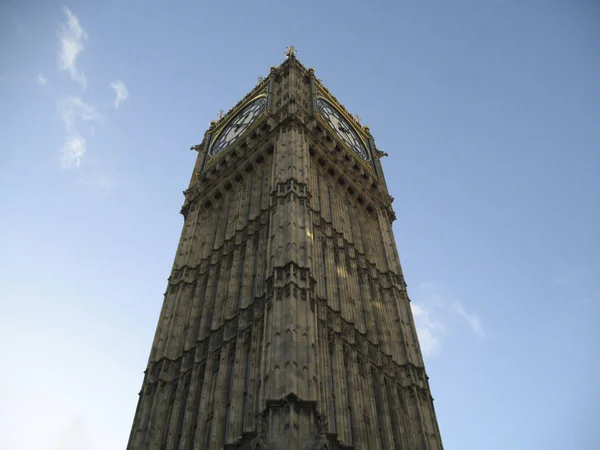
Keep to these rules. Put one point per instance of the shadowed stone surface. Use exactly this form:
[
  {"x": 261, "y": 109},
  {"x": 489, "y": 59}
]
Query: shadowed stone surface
[{"x": 286, "y": 323}]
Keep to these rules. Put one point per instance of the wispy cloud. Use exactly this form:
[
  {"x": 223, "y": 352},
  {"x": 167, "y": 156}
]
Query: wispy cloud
[
  {"x": 73, "y": 151},
  {"x": 77, "y": 115},
  {"x": 426, "y": 312},
  {"x": 121, "y": 92},
  {"x": 472, "y": 319},
  {"x": 71, "y": 39},
  {"x": 436, "y": 313},
  {"x": 103, "y": 182},
  {"x": 428, "y": 328},
  {"x": 42, "y": 80},
  {"x": 73, "y": 110}
]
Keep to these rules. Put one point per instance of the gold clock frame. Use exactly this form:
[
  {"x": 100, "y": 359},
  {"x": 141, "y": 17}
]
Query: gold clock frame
[
  {"x": 229, "y": 117},
  {"x": 356, "y": 126}
]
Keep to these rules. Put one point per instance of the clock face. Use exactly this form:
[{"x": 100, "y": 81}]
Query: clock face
[
  {"x": 341, "y": 126},
  {"x": 236, "y": 127}
]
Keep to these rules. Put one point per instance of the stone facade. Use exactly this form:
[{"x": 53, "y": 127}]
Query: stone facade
[{"x": 286, "y": 322}]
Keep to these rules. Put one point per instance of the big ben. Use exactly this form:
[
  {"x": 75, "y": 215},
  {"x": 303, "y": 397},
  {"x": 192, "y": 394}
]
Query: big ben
[{"x": 286, "y": 322}]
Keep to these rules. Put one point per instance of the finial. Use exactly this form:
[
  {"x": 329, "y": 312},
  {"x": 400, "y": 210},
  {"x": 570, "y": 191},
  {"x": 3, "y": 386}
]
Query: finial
[
  {"x": 290, "y": 52},
  {"x": 212, "y": 123},
  {"x": 260, "y": 80},
  {"x": 221, "y": 113},
  {"x": 357, "y": 117}
]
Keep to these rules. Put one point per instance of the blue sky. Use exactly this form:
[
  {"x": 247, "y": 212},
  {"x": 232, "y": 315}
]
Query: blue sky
[{"x": 490, "y": 114}]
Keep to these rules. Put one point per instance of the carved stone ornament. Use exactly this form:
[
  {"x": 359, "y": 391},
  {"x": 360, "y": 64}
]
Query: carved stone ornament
[
  {"x": 286, "y": 414},
  {"x": 290, "y": 52},
  {"x": 322, "y": 424},
  {"x": 261, "y": 427},
  {"x": 379, "y": 154},
  {"x": 321, "y": 440}
]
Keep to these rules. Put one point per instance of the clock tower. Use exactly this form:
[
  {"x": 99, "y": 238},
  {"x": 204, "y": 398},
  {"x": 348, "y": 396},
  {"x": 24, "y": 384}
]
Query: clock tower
[{"x": 286, "y": 322}]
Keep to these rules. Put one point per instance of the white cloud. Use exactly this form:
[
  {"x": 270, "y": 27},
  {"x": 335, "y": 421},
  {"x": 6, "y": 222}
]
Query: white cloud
[
  {"x": 472, "y": 319},
  {"x": 71, "y": 39},
  {"x": 41, "y": 79},
  {"x": 72, "y": 109},
  {"x": 121, "y": 92},
  {"x": 428, "y": 328},
  {"x": 426, "y": 312},
  {"x": 435, "y": 312},
  {"x": 73, "y": 150}
]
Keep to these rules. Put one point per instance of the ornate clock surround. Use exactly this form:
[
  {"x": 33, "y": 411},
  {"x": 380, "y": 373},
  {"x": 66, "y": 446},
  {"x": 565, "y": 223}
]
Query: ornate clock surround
[
  {"x": 335, "y": 119},
  {"x": 259, "y": 107},
  {"x": 323, "y": 95},
  {"x": 239, "y": 123}
]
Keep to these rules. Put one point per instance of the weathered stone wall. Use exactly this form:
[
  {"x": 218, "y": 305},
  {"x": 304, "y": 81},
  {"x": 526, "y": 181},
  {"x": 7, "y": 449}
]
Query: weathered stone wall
[{"x": 286, "y": 322}]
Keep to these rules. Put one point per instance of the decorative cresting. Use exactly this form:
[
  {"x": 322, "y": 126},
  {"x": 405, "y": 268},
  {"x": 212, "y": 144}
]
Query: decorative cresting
[{"x": 286, "y": 323}]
